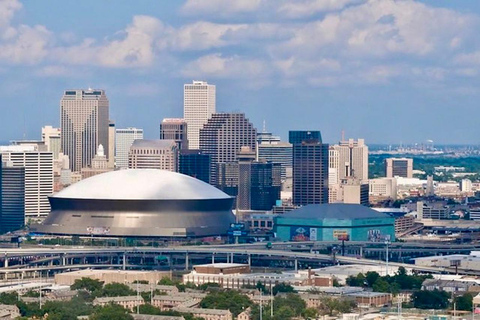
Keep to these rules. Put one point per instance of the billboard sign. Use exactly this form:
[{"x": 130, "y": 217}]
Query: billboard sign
[{"x": 300, "y": 233}]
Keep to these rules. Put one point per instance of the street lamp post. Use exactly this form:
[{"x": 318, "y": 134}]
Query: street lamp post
[{"x": 387, "y": 242}]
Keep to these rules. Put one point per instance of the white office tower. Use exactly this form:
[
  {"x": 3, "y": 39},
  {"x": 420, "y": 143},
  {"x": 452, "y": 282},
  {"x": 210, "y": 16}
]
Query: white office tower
[
  {"x": 38, "y": 176},
  {"x": 52, "y": 139},
  {"x": 111, "y": 145},
  {"x": 84, "y": 124},
  {"x": 198, "y": 106},
  {"x": 352, "y": 159},
  {"x": 123, "y": 141}
]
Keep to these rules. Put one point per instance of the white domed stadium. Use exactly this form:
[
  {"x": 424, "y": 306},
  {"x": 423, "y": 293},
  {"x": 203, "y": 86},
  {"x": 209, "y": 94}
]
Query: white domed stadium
[{"x": 139, "y": 203}]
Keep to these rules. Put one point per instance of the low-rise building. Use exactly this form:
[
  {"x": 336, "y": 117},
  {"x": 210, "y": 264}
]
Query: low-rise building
[
  {"x": 128, "y": 302},
  {"x": 110, "y": 276},
  {"x": 452, "y": 286},
  {"x": 9, "y": 312},
  {"x": 236, "y": 276},
  {"x": 179, "y": 299},
  {"x": 142, "y": 287},
  {"x": 371, "y": 299},
  {"x": 155, "y": 317},
  {"x": 207, "y": 314}
]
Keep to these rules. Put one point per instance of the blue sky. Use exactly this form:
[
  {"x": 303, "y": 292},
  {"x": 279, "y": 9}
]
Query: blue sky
[{"x": 387, "y": 71}]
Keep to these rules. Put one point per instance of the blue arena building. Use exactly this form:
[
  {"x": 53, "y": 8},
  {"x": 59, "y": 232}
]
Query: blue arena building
[{"x": 331, "y": 222}]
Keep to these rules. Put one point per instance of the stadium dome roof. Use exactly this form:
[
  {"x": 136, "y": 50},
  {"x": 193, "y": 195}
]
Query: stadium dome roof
[{"x": 141, "y": 184}]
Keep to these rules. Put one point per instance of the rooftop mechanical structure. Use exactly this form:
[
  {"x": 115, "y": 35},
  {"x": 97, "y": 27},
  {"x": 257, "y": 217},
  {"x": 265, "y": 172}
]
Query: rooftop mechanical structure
[{"x": 139, "y": 203}]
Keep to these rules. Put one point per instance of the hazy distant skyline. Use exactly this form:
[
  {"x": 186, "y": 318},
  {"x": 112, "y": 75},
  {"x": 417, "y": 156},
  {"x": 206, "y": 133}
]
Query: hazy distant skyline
[{"x": 387, "y": 71}]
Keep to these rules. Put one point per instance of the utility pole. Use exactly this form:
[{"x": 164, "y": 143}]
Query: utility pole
[
  {"x": 386, "y": 257},
  {"x": 271, "y": 300}
]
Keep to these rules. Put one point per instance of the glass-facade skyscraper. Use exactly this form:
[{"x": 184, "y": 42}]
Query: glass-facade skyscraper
[
  {"x": 84, "y": 119},
  {"x": 310, "y": 170}
]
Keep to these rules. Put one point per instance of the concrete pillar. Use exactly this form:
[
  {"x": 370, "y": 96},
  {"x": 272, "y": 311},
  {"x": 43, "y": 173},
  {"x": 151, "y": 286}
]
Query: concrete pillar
[
  {"x": 64, "y": 260},
  {"x": 249, "y": 260},
  {"x": 186, "y": 261},
  {"x": 231, "y": 257},
  {"x": 296, "y": 264},
  {"x": 124, "y": 261},
  {"x": 5, "y": 265},
  {"x": 213, "y": 258}
]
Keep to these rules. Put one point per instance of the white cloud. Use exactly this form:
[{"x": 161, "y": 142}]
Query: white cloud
[
  {"x": 220, "y": 7},
  {"x": 307, "y": 8},
  {"x": 7, "y": 10},
  {"x": 28, "y": 46},
  {"x": 135, "y": 48},
  {"x": 218, "y": 66},
  {"x": 200, "y": 35},
  {"x": 363, "y": 41}
]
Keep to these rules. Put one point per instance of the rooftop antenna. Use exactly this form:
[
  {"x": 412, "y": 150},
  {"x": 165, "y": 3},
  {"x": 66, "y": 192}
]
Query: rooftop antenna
[
  {"x": 264, "y": 126},
  {"x": 343, "y": 135}
]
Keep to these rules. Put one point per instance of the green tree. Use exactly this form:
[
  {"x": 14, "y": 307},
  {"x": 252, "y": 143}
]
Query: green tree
[
  {"x": 424, "y": 299},
  {"x": 371, "y": 277},
  {"x": 165, "y": 281},
  {"x": 284, "y": 312},
  {"x": 231, "y": 300},
  {"x": 464, "y": 302},
  {"x": 208, "y": 285},
  {"x": 111, "y": 312},
  {"x": 8, "y": 298},
  {"x": 31, "y": 293},
  {"x": 282, "y": 287},
  {"x": 356, "y": 281},
  {"x": 116, "y": 290},
  {"x": 381, "y": 285},
  {"x": 330, "y": 306},
  {"x": 310, "y": 313},
  {"x": 88, "y": 284}
]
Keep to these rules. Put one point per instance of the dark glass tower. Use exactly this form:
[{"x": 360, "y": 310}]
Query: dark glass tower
[
  {"x": 310, "y": 169},
  {"x": 12, "y": 197},
  {"x": 196, "y": 164},
  {"x": 298, "y": 136}
]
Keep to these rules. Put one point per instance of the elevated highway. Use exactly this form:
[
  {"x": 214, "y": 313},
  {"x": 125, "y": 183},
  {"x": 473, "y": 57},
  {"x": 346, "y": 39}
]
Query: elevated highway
[{"x": 25, "y": 260}]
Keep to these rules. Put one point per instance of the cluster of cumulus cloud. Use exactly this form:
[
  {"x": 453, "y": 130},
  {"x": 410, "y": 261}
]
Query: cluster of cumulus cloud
[{"x": 318, "y": 42}]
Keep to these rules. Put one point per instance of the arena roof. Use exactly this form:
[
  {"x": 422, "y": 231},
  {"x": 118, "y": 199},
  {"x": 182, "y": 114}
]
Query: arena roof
[
  {"x": 334, "y": 211},
  {"x": 141, "y": 184}
]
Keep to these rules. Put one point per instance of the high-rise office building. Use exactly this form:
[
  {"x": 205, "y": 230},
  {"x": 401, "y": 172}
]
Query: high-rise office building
[
  {"x": 123, "y": 141},
  {"x": 399, "y": 167},
  {"x": 310, "y": 171},
  {"x": 227, "y": 177},
  {"x": 12, "y": 197},
  {"x": 52, "y": 139},
  {"x": 272, "y": 149},
  {"x": 259, "y": 185},
  {"x": 298, "y": 136},
  {"x": 245, "y": 157},
  {"x": 174, "y": 129},
  {"x": 195, "y": 163},
  {"x": 153, "y": 154},
  {"x": 84, "y": 118},
  {"x": 223, "y": 136},
  {"x": 352, "y": 159},
  {"x": 111, "y": 144},
  {"x": 38, "y": 176},
  {"x": 198, "y": 106}
]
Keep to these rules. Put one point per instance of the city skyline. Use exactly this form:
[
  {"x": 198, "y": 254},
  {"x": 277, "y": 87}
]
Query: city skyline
[{"x": 358, "y": 66}]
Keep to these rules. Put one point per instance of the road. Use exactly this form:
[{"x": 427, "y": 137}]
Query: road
[{"x": 208, "y": 250}]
